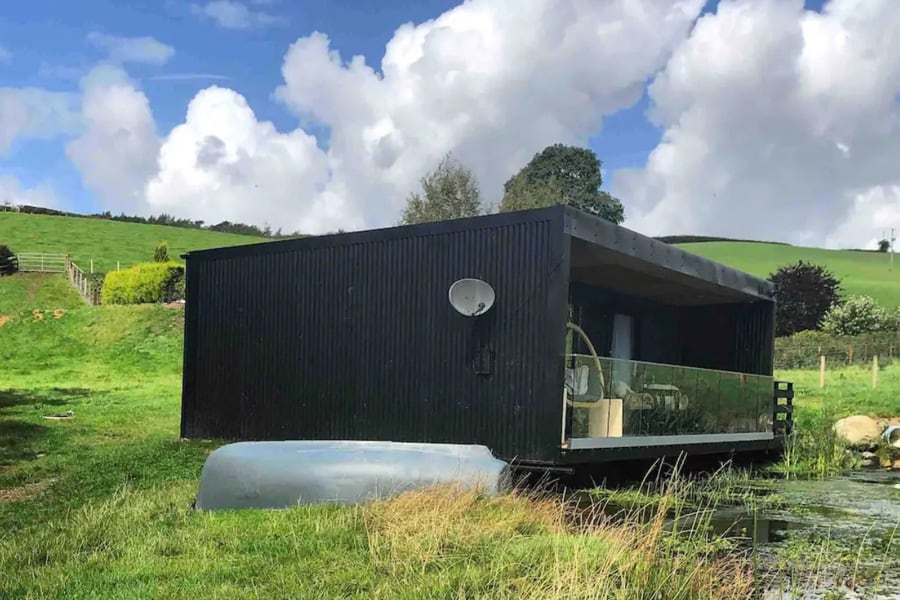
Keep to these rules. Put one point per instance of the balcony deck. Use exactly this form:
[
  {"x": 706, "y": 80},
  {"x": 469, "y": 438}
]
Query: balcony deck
[{"x": 613, "y": 403}]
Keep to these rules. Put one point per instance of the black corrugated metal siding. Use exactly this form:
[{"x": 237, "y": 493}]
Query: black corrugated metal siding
[{"x": 353, "y": 337}]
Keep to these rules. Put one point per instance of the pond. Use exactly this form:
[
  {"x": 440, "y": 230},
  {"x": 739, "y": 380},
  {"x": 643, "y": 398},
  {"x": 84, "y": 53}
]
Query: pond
[{"x": 821, "y": 539}]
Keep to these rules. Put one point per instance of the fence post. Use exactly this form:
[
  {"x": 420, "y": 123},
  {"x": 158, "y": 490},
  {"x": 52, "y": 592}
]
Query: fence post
[
  {"x": 874, "y": 371},
  {"x": 92, "y": 265},
  {"x": 821, "y": 370},
  {"x": 850, "y": 359},
  {"x": 117, "y": 265}
]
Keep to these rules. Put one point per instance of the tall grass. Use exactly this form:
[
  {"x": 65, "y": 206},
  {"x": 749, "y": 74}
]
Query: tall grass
[
  {"x": 813, "y": 449},
  {"x": 440, "y": 542}
]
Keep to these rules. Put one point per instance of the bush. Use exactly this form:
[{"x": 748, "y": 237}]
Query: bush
[
  {"x": 805, "y": 292},
  {"x": 857, "y": 315},
  {"x": 144, "y": 283},
  {"x": 161, "y": 252},
  {"x": 8, "y": 263}
]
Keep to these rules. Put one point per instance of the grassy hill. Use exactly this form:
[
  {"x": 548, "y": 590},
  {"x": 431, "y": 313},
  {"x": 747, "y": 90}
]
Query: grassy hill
[
  {"x": 105, "y": 241},
  {"x": 864, "y": 273}
]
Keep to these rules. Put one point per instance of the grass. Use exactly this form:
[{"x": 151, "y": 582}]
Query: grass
[
  {"x": 97, "y": 505},
  {"x": 21, "y": 294},
  {"x": 861, "y": 273},
  {"x": 814, "y": 449},
  {"x": 105, "y": 241}
]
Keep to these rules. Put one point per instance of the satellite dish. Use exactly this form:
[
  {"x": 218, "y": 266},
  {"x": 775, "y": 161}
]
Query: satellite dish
[{"x": 471, "y": 297}]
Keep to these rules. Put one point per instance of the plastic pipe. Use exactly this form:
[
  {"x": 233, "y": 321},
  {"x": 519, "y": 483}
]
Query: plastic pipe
[{"x": 892, "y": 436}]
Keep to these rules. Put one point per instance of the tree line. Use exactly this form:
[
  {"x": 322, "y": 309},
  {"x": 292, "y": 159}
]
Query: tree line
[
  {"x": 558, "y": 174},
  {"x": 162, "y": 219}
]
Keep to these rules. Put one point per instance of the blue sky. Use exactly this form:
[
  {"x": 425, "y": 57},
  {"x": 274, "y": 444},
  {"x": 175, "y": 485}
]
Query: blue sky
[
  {"x": 50, "y": 49},
  {"x": 494, "y": 111},
  {"x": 48, "y": 43}
]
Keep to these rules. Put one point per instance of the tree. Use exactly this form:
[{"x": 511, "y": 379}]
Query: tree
[
  {"x": 448, "y": 192},
  {"x": 562, "y": 174},
  {"x": 884, "y": 245},
  {"x": 805, "y": 292}
]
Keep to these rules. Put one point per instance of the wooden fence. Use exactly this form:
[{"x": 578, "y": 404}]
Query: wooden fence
[
  {"x": 84, "y": 284},
  {"x": 42, "y": 263}
]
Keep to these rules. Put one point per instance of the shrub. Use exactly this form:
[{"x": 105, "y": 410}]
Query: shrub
[
  {"x": 805, "y": 292},
  {"x": 856, "y": 315},
  {"x": 161, "y": 252},
  {"x": 8, "y": 264},
  {"x": 144, "y": 283}
]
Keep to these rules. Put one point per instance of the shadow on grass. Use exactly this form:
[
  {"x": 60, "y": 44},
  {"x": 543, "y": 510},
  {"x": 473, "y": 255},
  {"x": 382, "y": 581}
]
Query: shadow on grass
[{"x": 20, "y": 437}]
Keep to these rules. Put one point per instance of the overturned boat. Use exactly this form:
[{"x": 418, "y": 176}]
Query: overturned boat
[{"x": 289, "y": 473}]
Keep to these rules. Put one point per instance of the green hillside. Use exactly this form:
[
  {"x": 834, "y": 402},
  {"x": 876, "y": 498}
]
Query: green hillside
[
  {"x": 864, "y": 273},
  {"x": 105, "y": 241},
  {"x": 25, "y": 293}
]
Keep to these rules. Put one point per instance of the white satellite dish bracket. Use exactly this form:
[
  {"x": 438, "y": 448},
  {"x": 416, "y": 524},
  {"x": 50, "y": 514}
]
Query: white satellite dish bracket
[{"x": 471, "y": 297}]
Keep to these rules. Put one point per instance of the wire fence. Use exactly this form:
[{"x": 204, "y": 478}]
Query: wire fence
[{"x": 837, "y": 351}]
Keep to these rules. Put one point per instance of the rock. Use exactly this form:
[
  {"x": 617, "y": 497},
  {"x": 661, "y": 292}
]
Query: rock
[
  {"x": 858, "y": 431},
  {"x": 868, "y": 455},
  {"x": 896, "y": 464},
  {"x": 868, "y": 463}
]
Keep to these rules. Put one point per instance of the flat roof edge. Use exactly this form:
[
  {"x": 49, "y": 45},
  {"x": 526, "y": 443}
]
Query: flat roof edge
[
  {"x": 383, "y": 233},
  {"x": 598, "y": 231}
]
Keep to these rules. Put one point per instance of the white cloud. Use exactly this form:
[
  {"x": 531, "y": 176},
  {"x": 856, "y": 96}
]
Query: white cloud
[
  {"x": 223, "y": 164},
  {"x": 494, "y": 82},
  {"x": 12, "y": 192},
  {"x": 116, "y": 153},
  {"x": 35, "y": 112},
  {"x": 779, "y": 123},
  {"x": 230, "y": 14},
  {"x": 5, "y": 54},
  {"x": 142, "y": 49}
]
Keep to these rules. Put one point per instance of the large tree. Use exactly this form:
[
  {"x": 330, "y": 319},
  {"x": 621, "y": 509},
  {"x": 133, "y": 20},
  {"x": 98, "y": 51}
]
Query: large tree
[
  {"x": 804, "y": 293},
  {"x": 448, "y": 192},
  {"x": 562, "y": 174}
]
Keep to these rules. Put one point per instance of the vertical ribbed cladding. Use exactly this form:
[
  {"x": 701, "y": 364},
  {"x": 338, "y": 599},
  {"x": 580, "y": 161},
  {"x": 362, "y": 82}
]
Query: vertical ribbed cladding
[
  {"x": 353, "y": 337},
  {"x": 753, "y": 351}
]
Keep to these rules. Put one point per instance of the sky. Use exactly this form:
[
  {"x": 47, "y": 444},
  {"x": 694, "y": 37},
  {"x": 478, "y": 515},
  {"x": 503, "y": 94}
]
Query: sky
[{"x": 762, "y": 119}]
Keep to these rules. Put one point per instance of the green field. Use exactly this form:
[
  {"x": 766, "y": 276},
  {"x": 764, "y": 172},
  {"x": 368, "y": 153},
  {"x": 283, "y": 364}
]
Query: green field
[
  {"x": 104, "y": 241},
  {"x": 861, "y": 273},
  {"x": 107, "y": 242},
  {"x": 23, "y": 293},
  {"x": 97, "y": 504}
]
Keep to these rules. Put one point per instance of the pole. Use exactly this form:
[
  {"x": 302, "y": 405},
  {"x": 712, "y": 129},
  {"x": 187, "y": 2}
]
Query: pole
[
  {"x": 874, "y": 371},
  {"x": 822, "y": 371},
  {"x": 892, "y": 249},
  {"x": 92, "y": 265}
]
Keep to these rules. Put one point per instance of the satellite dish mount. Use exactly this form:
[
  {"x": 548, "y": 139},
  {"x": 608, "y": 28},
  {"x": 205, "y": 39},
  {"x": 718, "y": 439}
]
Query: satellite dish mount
[{"x": 471, "y": 297}]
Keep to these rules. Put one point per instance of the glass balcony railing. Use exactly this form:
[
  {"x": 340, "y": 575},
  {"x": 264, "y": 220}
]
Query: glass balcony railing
[{"x": 612, "y": 398}]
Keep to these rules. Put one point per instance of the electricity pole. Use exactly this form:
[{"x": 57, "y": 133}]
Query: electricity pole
[{"x": 892, "y": 248}]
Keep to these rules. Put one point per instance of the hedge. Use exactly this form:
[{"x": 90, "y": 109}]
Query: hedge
[
  {"x": 802, "y": 350},
  {"x": 144, "y": 283}
]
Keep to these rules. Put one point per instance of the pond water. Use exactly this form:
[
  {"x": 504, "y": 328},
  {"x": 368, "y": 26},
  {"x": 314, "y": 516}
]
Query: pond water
[{"x": 831, "y": 539}]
